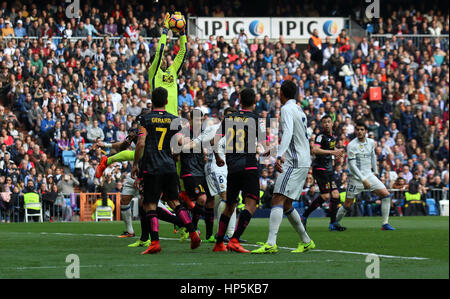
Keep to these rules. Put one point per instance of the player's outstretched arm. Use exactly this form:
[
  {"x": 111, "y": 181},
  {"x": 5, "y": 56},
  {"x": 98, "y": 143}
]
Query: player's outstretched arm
[{"x": 159, "y": 54}]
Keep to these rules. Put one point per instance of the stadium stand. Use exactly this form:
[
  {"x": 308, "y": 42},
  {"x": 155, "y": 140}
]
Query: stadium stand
[{"x": 59, "y": 75}]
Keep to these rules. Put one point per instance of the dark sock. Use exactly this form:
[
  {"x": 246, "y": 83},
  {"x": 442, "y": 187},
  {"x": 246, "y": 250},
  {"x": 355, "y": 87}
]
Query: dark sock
[
  {"x": 314, "y": 205},
  {"x": 223, "y": 225},
  {"x": 183, "y": 215},
  {"x": 152, "y": 219},
  {"x": 145, "y": 229},
  {"x": 168, "y": 217},
  {"x": 197, "y": 212},
  {"x": 334, "y": 204},
  {"x": 244, "y": 219},
  {"x": 209, "y": 221}
]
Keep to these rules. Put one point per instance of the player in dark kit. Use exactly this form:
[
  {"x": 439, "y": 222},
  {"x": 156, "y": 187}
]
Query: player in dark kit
[
  {"x": 322, "y": 167},
  {"x": 157, "y": 170},
  {"x": 193, "y": 174},
  {"x": 240, "y": 130}
]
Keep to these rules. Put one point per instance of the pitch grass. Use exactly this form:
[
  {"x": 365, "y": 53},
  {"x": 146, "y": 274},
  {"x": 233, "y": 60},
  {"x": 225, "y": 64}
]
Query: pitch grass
[{"x": 39, "y": 250}]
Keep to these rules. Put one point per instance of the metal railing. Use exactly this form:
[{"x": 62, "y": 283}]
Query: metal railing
[{"x": 417, "y": 39}]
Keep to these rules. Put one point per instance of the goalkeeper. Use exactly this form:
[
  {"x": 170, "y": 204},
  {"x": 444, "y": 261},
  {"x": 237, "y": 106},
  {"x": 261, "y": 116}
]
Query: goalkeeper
[{"x": 160, "y": 74}]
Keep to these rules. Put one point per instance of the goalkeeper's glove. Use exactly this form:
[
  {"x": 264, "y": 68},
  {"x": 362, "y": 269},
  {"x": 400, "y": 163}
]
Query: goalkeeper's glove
[{"x": 166, "y": 27}]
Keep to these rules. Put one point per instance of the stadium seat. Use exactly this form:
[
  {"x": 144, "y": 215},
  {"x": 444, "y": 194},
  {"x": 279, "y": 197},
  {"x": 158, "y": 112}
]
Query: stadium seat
[
  {"x": 432, "y": 209},
  {"x": 31, "y": 206},
  {"x": 103, "y": 213},
  {"x": 66, "y": 156}
]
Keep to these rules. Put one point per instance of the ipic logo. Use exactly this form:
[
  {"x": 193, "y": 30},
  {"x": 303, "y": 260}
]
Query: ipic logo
[
  {"x": 73, "y": 9},
  {"x": 373, "y": 10},
  {"x": 373, "y": 269},
  {"x": 73, "y": 269}
]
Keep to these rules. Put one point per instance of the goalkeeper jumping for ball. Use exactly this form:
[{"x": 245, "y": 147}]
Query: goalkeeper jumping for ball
[{"x": 160, "y": 74}]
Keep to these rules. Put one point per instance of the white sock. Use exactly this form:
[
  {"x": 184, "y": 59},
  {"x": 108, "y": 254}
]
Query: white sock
[
  {"x": 276, "y": 216},
  {"x": 125, "y": 211},
  {"x": 294, "y": 219},
  {"x": 340, "y": 213},
  {"x": 385, "y": 209},
  {"x": 232, "y": 224}
]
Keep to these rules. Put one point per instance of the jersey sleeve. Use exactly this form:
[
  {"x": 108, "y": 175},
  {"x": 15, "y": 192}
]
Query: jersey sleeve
[
  {"x": 157, "y": 61},
  {"x": 318, "y": 141},
  {"x": 181, "y": 55}
]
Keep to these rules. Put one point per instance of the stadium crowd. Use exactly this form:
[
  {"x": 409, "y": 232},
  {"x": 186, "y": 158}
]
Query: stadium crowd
[{"x": 67, "y": 93}]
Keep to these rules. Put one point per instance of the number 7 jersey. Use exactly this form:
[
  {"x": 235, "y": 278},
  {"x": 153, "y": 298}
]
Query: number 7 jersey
[{"x": 157, "y": 158}]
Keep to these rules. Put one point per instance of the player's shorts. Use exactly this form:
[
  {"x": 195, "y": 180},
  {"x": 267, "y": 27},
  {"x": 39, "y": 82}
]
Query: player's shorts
[
  {"x": 246, "y": 181},
  {"x": 195, "y": 186},
  {"x": 128, "y": 187},
  {"x": 291, "y": 181},
  {"x": 153, "y": 185},
  {"x": 217, "y": 182},
  {"x": 355, "y": 186},
  {"x": 325, "y": 180}
]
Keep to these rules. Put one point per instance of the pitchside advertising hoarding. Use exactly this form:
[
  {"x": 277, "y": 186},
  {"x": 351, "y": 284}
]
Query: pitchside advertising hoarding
[{"x": 289, "y": 28}]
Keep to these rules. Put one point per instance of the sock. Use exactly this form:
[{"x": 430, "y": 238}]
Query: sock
[
  {"x": 313, "y": 206},
  {"x": 294, "y": 218},
  {"x": 125, "y": 211},
  {"x": 209, "y": 221},
  {"x": 121, "y": 157},
  {"x": 152, "y": 219},
  {"x": 232, "y": 224},
  {"x": 334, "y": 204},
  {"x": 197, "y": 212},
  {"x": 145, "y": 228},
  {"x": 385, "y": 209},
  {"x": 276, "y": 216},
  {"x": 244, "y": 219},
  {"x": 341, "y": 213},
  {"x": 223, "y": 224},
  {"x": 183, "y": 215},
  {"x": 166, "y": 216}
]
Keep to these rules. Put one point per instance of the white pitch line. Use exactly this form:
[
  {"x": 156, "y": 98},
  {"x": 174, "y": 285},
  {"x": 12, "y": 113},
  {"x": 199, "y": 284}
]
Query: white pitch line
[{"x": 287, "y": 248}]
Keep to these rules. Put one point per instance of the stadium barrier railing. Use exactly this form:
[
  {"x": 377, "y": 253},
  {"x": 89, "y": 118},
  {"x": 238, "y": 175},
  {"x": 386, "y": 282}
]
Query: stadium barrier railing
[{"x": 417, "y": 39}]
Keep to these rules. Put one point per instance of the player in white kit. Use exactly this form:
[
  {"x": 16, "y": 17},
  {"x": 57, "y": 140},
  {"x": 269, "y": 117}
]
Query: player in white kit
[
  {"x": 363, "y": 171},
  {"x": 297, "y": 161}
]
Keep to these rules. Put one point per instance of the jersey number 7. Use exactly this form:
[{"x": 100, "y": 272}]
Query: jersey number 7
[{"x": 161, "y": 139}]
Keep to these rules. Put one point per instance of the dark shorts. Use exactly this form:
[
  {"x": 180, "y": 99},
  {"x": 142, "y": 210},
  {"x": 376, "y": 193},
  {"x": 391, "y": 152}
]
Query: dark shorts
[
  {"x": 246, "y": 181},
  {"x": 325, "y": 180},
  {"x": 153, "y": 186},
  {"x": 195, "y": 186}
]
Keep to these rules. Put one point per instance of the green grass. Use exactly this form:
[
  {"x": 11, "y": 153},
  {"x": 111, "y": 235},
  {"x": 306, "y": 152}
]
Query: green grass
[{"x": 39, "y": 250}]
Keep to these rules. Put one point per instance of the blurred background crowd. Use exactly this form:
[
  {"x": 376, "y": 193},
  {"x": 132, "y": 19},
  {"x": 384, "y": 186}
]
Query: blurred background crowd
[{"x": 67, "y": 83}]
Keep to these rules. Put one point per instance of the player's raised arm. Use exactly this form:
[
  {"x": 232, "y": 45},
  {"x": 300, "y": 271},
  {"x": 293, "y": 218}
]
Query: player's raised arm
[
  {"x": 181, "y": 55},
  {"x": 159, "y": 54}
]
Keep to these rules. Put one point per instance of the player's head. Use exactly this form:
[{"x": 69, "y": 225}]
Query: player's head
[
  {"x": 196, "y": 117},
  {"x": 327, "y": 123},
  {"x": 159, "y": 97},
  {"x": 360, "y": 129},
  {"x": 163, "y": 65},
  {"x": 247, "y": 97},
  {"x": 288, "y": 91},
  {"x": 229, "y": 110}
]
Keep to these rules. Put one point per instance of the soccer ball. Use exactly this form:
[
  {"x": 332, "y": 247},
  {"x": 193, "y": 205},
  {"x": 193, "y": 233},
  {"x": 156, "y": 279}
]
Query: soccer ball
[{"x": 177, "y": 23}]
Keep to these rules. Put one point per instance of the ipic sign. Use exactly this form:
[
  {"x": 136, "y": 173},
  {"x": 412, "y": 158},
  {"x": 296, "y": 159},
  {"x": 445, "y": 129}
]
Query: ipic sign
[{"x": 291, "y": 28}]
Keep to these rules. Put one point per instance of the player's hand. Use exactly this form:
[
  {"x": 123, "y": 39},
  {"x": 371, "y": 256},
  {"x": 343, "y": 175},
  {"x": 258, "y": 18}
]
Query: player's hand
[
  {"x": 166, "y": 21},
  {"x": 220, "y": 162},
  {"x": 98, "y": 144},
  {"x": 339, "y": 153},
  {"x": 278, "y": 166},
  {"x": 137, "y": 184},
  {"x": 366, "y": 184},
  {"x": 134, "y": 171}
]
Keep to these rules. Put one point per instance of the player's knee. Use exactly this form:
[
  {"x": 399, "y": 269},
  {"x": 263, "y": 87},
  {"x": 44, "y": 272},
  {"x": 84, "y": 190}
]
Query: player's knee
[
  {"x": 201, "y": 200},
  {"x": 125, "y": 199},
  {"x": 348, "y": 203}
]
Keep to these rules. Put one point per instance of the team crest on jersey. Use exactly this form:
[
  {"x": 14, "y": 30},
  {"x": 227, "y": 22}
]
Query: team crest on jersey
[
  {"x": 197, "y": 191},
  {"x": 167, "y": 78},
  {"x": 361, "y": 147}
]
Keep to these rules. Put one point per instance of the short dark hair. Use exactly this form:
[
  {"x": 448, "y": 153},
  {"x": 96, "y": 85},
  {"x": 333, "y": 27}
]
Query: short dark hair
[
  {"x": 325, "y": 117},
  {"x": 289, "y": 89},
  {"x": 159, "y": 97},
  {"x": 361, "y": 123},
  {"x": 247, "y": 96}
]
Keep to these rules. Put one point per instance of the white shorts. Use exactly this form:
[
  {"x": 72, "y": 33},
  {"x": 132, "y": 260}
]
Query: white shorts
[
  {"x": 356, "y": 186},
  {"x": 128, "y": 187},
  {"x": 217, "y": 182},
  {"x": 291, "y": 181}
]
